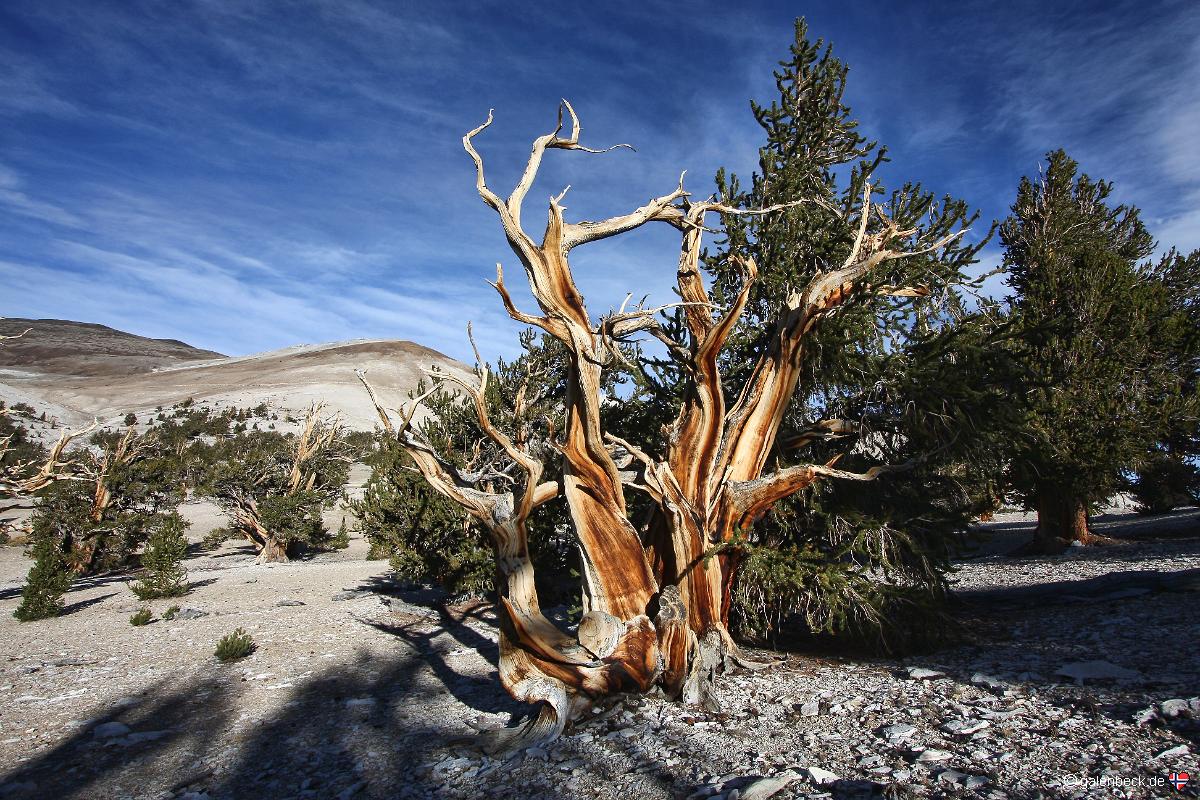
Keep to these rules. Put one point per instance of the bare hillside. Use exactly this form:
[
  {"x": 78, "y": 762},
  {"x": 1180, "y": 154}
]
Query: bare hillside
[
  {"x": 62, "y": 347},
  {"x": 74, "y": 371}
]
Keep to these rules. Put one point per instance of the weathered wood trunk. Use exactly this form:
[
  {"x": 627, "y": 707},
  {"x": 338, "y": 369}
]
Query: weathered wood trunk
[
  {"x": 656, "y": 601},
  {"x": 272, "y": 551},
  {"x": 1062, "y": 521}
]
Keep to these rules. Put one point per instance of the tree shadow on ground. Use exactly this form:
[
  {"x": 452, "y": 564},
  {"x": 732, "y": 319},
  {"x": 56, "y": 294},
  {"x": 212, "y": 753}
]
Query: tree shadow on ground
[
  {"x": 360, "y": 732},
  {"x": 80, "y": 605},
  {"x": 1111, "y": 586},
  {"x": 484, "y": 694}
]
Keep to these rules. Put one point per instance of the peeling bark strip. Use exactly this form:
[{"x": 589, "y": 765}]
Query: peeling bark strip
[{"x": 710, "y": 485}]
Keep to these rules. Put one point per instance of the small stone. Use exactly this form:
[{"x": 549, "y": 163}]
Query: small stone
[
  {"x": 110, "y": 730},
  {"x": 289, "y": 602},
  {"x": 976, "y": 782},
  {"x": 952, "y": 776},
  {"x": 810, "y": 709},
  {"x": 933, "y": 755},
  {"x": 986, "y": 681},
  {"x": 1174, "y": 752},
  {"x": 897, "y": 733},
  {"x": 359, "y": 702},
  {"x": 965, "y": 727},
  {"x": 924, "y": 674},
  {"x": 350, "y": 594},
  {"x": 1146, "y": 716},
  {"x": 820, "y": 777},
  {"x": 1174, "y": 708},
  {"x": 190, "y": 613}
]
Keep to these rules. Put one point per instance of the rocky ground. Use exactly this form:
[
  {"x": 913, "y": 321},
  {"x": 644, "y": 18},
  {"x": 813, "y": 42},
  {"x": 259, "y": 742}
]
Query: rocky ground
[{"x": 1079, "y": 680}]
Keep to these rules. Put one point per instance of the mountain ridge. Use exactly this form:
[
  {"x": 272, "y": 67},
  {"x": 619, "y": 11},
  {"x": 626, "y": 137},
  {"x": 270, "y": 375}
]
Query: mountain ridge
[{"x": 90, "y": 370}]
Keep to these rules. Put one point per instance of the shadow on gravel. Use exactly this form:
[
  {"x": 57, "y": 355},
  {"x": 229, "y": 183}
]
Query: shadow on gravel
[
  {"x": 82, "y": 604},
  {"x": 357, "y": 732},
  {"x": 1112, "y": 586},
  {"x": 482, "y": 695}
]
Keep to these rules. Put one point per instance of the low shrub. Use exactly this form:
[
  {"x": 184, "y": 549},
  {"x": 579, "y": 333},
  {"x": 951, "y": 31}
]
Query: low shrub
[{"x": 238, "y": 644}]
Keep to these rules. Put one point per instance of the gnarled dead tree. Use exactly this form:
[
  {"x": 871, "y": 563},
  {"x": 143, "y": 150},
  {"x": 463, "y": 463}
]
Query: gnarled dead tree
[
  {"x": 656, "y": 600},
  {"x": 24, "y": 479},
  {"x": 275, "y": 498}
]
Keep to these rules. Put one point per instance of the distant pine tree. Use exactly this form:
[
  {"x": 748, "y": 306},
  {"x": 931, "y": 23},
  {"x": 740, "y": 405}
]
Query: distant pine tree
[
  {"x": 48, "y": 580},
  {"x": 1108, "y": 348},
  {"x": 164, "y": 574}
]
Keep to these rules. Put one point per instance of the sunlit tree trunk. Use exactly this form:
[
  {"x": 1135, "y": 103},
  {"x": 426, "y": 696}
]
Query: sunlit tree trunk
[{"x": 656, "y": 613}]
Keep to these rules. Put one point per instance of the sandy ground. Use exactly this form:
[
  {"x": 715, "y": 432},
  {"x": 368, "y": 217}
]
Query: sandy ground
[{"x": 357, "y": 690}]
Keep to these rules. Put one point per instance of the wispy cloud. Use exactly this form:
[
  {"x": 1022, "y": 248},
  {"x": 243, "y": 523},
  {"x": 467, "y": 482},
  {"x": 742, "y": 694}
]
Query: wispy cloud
[{"x": 248, "y": 176}]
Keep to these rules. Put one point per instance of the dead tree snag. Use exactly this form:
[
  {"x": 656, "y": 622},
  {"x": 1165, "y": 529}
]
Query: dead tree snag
[{"x": 656, "y": 600}]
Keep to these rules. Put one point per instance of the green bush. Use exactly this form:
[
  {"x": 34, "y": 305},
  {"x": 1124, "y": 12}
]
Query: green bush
[
  {"x": 141, "y": 617},
  {"x": 238, "y": 644},
  {"x": 170, "y": 613},
  {"x": 340, "y": 540},
  {"x": 164, "y": 574},
  {"x": 1165, "y": 483},
  {"x": 49, "y": 579}
]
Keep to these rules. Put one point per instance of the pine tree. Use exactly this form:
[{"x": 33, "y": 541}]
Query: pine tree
[
  {"x": 658, "y": 574},
  {"x": 48, "y": 580},
  {"x": 1106, "y": 350},
  {"x": 912, "y": 365},
  {"x": 427, "y": 538},
  {"x": 275, "y": 486},
  {"x": 163, "y": 572}
]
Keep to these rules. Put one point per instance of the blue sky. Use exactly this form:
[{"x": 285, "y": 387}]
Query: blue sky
[{"x": 251, "y": 175}]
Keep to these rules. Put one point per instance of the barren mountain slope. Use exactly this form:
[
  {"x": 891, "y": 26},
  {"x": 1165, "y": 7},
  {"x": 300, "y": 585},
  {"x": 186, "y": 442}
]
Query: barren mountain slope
[
  {"x": 62, "y": 347},
  {"x": 96, "y": 371}
]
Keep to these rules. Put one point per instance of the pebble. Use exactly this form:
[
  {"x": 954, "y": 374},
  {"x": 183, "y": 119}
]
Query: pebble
[
  {"x": 190, "y": 613},
  {"x": 1082, "y": 671},
  {"x": 1178, "y": 750},
  {"x": 965, "y": 727},
  {"x": 923, "y": 674},
  {"x": 820, "y": 777},
  {"x": 810, "y": 709},
  {"x": 897, "y": 733},
  {"x": 988, "y": 682}
]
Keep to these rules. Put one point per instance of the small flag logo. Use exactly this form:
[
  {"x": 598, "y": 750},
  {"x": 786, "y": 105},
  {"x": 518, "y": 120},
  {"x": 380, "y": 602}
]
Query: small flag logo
[{"x": 1179, "y": 780}]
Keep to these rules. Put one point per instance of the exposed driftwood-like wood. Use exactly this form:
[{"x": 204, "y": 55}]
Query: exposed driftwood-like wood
[
  {"x": 23, "y": 479},
  {"x": 711, "y": 482}
]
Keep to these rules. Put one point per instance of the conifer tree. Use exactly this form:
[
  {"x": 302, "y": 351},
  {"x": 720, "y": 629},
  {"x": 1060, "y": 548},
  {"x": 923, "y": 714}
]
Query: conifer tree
[
  {"x": 1108, "y": 352},
  {"x": 163, "y": 572},
  {"x": 657, "y": 586},
  {"x": 275, "y": 486},
  {"x": 48, "y": 580},
  {"x": 904, "y": 374}
]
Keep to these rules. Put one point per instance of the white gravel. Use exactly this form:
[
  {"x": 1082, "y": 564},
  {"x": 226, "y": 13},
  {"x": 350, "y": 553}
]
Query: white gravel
[{"x": 370, "y": 697}]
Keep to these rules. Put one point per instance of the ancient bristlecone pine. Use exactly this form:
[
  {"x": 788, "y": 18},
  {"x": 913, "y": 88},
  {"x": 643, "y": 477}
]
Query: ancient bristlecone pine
[{"x": 656, "y": 601}]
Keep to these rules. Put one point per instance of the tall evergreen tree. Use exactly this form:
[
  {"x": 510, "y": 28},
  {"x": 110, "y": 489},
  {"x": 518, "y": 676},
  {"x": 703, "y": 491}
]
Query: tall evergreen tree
[
  {"x": 1109, "y": 347},
  {"x": 902, "y": 374}
]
